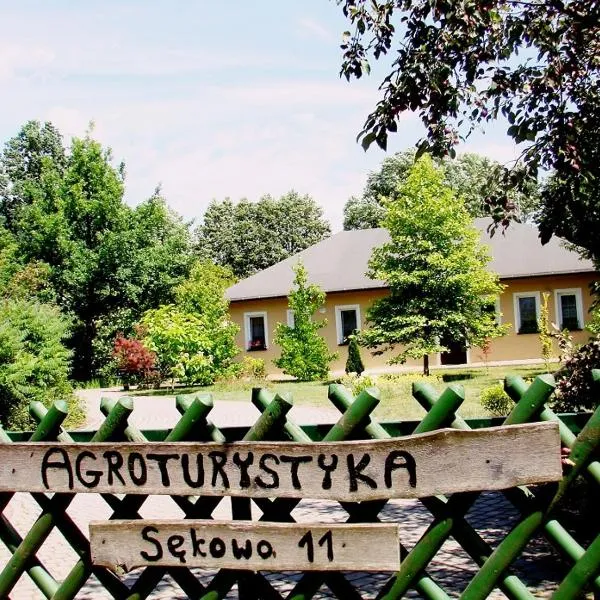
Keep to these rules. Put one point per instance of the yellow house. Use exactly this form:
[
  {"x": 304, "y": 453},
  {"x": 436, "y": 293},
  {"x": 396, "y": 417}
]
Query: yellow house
[{"x": 339, "y": 264}]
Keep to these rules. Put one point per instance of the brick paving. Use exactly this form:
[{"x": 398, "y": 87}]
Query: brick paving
[{"x": 451, "y": 568}]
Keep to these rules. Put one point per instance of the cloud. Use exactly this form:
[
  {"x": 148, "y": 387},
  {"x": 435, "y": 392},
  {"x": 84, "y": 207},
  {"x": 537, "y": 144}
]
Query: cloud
[
  {"x": 316, "y": 30},
  {"x": 18, "y": 59},
  {"x": 505, "y": 152}
]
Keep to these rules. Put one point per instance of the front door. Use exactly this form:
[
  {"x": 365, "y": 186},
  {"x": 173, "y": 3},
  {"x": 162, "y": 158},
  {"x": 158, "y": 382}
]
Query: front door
[{"x": 456, "y": 355}]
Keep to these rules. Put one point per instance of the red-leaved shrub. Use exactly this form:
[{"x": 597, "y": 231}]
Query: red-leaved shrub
[{"x": 135, "y": 363}]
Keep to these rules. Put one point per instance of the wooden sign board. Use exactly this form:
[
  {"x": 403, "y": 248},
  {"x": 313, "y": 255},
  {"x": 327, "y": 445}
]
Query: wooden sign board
[
  {"x": 124, "y": 545},
  {"x": 442, "y": 462}
]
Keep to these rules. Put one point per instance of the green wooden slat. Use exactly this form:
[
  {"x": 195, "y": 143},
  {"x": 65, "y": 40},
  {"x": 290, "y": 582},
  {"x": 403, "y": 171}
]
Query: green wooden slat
[
  {"x": 43, "y": 526},
  {"x": 270, "y": 421},
  {"x": 512, "y": 545},
  {"x": 193, "y": 417},
  {"x": 582, "y": 573},
  {"x": 38, "y": 573},
  {"x": 361, "y": 410},
  {"x": 449, "y": 520},
  {"x": 12, "y": 540},
  {"x": 26, "y": 550},
  {"x": 554, "y": 531}
]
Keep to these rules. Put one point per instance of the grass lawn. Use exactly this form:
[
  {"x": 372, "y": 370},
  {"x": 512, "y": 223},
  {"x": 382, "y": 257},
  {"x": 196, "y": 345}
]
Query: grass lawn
[{"x": 397, "y": 402}]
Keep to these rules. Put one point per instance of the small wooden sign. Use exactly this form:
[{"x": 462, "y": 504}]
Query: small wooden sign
[
  {"x": 124, "y": 545},
  {"x": 442, "y": 462}
]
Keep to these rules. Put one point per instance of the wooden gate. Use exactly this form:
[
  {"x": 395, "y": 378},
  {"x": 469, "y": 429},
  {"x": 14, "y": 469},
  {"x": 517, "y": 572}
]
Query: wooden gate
[{"x": 536, "y": 504}]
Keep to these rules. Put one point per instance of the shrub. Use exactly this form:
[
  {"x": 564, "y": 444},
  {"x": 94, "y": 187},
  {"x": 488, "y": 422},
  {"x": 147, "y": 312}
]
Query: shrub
[
  {"x": 400, "y": 385},
  {"x": 358, "y": 382},
  {"x": 251, "y": 368},
  {"x": 134, "y": 362},
  {"x": 193, "y": 349},
  {"x": 354, "y": 363},
  {"x": 575, "y": 389},
  {"x": 34, "y": 364},
  {"x": 495, "y": 400}
]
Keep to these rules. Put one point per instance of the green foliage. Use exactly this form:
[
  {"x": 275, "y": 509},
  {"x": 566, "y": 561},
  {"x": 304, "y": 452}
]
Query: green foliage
[
  {"x": 34, "y": 364},
  {"x": 181, "y": 344},
  {"x": 251, "y": 236},
  {"x": 251, "y": 368},
  {"x": 304, "y": 353},
  {"x": 434, "y": 266},
  {"x": 357, "y": 382},
  {"x": 363, "y": 213},
  {"x": 194, "y": 339},
  {"x": 495, "y": 400},
  {"x": 354, "y": 363},
  {"x": 575, "y": 388},
  {"x": 104, "y": 262},
  {"x": 459, "y": 66},
  {"x": 22, "y": 162},
  {"x": 593, "y": 324},
  {"x": 470, "y": 176},
  {"x": 545, "y": 333}
]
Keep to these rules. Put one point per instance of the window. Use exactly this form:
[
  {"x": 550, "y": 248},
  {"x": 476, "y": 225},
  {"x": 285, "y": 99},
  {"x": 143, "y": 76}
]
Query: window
[
  {"x": 493, "y": 308},
  {"x": 255, "y": 327},
  {"x": 569, "y": 312},
  {"x": 527, "y": 312},
  {"x": 347, "y": 321},
  {"x": 290, "y": 317}
]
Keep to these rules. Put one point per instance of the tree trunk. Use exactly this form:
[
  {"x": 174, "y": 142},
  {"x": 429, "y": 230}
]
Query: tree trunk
[{"x": 426, "y": 365}]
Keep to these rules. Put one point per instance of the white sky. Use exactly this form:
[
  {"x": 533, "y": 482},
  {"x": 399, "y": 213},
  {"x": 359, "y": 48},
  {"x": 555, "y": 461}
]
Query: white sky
[{"x": 210, "y": 99}]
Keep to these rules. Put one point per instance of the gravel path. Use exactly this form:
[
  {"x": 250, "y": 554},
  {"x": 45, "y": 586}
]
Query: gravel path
[{"x": 451, "y": 568}]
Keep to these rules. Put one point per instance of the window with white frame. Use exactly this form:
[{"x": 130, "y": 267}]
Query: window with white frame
[
  {"x": 347, "y": 321},
  {"x": 255, "y": 329},
  {"x": 569, "y": 309},
  {"x": 527, "y": 312},
  {"x": 290, "y": 317}
]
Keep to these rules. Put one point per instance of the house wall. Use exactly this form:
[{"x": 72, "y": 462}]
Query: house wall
[{"x": 511, "y": 347}]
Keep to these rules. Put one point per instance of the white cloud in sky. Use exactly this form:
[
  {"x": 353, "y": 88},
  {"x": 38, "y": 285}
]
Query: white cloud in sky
[
  {"x": 316, "y": 29},
  {"x": 211, "y": 101},
  {"x": 16, "y": 58}
]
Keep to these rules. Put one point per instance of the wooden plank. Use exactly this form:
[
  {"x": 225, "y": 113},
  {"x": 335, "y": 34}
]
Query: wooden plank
[
  {"x": 124, "y": 545},
  {"x": 442, "y": 462}
]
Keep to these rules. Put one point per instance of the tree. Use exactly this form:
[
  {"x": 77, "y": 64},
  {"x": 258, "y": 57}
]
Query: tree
[
  {"x": 194, "y": 338},
  {"x": 139, "y": 267},
  {"x": 34, "y": 363},
  {"x": 106, "y": 263},
  {"x": 22, "y": 162},
  {"x": 363, "y": 213},
  {"x": 354, "y": 363},
  {"x": 471, "y": 176},
  {"x": 248, "y": 237},
  {"x": 304, "y": 353},
  {"x": 434, "y": 266},
  {"x": 460, "y": 65}
]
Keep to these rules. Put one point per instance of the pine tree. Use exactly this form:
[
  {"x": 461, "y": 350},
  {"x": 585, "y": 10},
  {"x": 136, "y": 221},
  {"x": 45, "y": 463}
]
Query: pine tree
[{"x": 354, "y": 363}]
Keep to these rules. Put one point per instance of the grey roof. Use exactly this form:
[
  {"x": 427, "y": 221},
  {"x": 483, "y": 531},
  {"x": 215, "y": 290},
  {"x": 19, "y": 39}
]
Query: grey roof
[{"x": 340, "y": 262}]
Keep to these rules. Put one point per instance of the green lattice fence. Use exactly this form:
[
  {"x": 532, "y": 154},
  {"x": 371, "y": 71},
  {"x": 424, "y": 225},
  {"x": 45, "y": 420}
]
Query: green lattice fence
[{"x": 536, "y": 506}]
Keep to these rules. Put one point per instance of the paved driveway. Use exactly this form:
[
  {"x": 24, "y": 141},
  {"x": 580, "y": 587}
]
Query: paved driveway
[{"x": 159, "y": 412}]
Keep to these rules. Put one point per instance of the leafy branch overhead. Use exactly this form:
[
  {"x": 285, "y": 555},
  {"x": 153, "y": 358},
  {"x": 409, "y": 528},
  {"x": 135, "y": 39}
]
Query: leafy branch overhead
[{"x": 460, "y": 65}]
